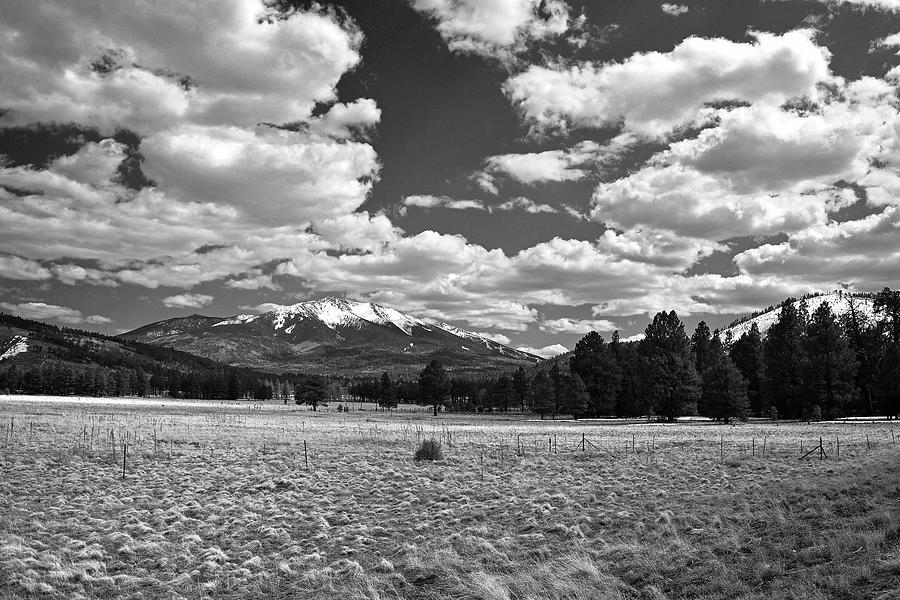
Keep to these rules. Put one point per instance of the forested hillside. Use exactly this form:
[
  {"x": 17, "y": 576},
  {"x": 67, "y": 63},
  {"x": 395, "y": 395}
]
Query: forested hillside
[{"x": 37, "y": 358}]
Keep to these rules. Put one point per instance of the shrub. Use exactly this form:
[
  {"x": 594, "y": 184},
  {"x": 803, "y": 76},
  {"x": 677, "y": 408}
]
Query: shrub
[{"x": 429, "y": 450}]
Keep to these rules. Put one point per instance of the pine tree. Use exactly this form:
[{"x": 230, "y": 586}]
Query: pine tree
[
  {"x": 700, "y": 350},
  {"x": 575, "y": 396},
  {"x": 784, "y": 358},
  {"x": 831, "y": 365},
  {"x": 593, "y": 361},
  {"x": 724, "y": 388},
  {"x": 669, "y": 378},
  {"x": 557, "y": 379},
  {"x": 521, "y": 388},
  {"x": 747, "y": 355},
  {"x": 387, "y": 392},
  {"x": 434, "y": 386},
  {"x": 543, "y": 393}
]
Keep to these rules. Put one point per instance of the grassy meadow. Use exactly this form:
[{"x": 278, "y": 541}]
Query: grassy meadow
[{"x": 236, "y": 500}]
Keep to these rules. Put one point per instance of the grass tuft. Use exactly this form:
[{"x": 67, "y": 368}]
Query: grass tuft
[{"x": 429, "y": 450}]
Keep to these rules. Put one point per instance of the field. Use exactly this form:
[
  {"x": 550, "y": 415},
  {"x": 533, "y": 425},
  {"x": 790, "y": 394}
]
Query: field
[{"x": 219, "y": 500}]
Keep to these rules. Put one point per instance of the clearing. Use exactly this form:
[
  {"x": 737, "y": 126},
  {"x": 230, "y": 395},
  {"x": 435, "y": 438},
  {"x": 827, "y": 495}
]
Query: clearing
[{"x": 232, "y": 500}]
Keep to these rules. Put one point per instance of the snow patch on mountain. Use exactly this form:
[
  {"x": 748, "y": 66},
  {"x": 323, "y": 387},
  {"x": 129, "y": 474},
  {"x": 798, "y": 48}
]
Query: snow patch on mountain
[
  {"x": 238, "y": 320},
  {"x": 841, "y": 303},
  {"x": 16, "y": 345}
]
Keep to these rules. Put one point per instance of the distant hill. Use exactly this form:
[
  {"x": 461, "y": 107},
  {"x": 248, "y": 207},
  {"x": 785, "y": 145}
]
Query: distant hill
[
  {"x": 334, "y": 336},
  {"x": 39, "y": 358},
  {"x": 839, "y": 301}
]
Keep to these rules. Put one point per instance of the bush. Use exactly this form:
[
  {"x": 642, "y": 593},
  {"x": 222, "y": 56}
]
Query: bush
[{"x": 429, "y": 450}]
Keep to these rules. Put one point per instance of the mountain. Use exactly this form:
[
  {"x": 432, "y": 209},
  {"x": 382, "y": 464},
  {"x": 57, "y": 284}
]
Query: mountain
[
  {"x": 841, "y": 303},
  {"x": 331, "y": 335}
]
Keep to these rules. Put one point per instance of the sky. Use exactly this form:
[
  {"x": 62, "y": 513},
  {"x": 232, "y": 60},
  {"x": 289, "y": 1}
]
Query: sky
[{"x": 528, "y": 169}]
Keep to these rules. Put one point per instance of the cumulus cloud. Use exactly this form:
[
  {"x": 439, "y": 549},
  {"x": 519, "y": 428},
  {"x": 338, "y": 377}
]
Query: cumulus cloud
[
  {"x": 546, "y": 351},
  {"x": 567, "y": 325},
  {"x": 44, "y": 311},
  {"x": 654, "y": 92},
  {"x": 761, "y": 169},
  {"x": 272, "y": 175},
  {"x": 187, "y": 301},
  {"x": 145, "y": 67},
  {"x": 674, "y": 10},
  {"x": 570, "y": 164},
  {"x": 16, "y": 267},
  {"x": 496, "y": 27}
]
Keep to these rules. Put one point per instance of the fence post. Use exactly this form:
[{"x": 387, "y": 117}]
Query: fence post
[
  {"x": 582, "y": 442},
  {"x": 124, "y": 457},
  {"x": 305, "y": 455}
]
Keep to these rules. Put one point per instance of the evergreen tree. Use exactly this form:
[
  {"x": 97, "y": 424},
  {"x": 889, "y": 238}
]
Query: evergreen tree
[
  {"x": 747, "y": 355},
  {"x": 387, "y": 392},
  {"x": 233, "y": 391},
  {"x": 724, "y": 388},
  {"x": 784, "y": 359},
  {"x": 521, "y": 388},
  {"x": 557, "y": 380},
  {"x": 700, "y": 349},
  {"x": 669, "y": 378},
  {"x": 594, "y": 363},
  {"x": 434, "y": 386},
  {"x": 887, "y": 307},
  {"x": 575, "y": 396},
  {"x": 865, "y": 342},
  {"x": 831, "y": 365},
  {"x": 311, "y": 391},
  {"x": 503, "y": 392},
  {"x": 543, "y": 393}
]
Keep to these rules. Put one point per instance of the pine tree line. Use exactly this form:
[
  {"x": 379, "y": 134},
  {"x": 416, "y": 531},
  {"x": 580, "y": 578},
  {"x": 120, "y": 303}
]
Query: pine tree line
[{"x": 808, "y": 366}]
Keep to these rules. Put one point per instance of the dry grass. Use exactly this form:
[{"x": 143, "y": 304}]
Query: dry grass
[{"x": 218, "y": 502}]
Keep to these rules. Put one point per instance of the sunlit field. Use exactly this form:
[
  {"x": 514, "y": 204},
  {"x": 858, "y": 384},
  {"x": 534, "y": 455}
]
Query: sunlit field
[{"x": 120, "y": 498}]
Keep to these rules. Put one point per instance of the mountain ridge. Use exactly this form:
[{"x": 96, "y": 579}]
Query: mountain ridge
[{"x": 330, "y": 335}]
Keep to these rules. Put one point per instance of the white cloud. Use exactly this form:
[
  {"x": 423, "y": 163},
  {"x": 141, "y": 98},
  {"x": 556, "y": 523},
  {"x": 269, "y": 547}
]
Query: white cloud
[
  {"x": 570, "y": 164},
  {"x": 546, "y": 351},
  {"x": 254, "y": 279},
  {"x": 527, "y": 205},
  {"x": 44, "y": 311},
  {"x": 343, "y": 120},
  {"x": 762, "y": 169},
  {"x": 567, "y": 325},
  {"x": 187, "y": 301},
  {"x": 273, "y": 176},
  {"x": 246, "y": 67},
  {"x": 674, "y": 10},
  {"x": 497, "y": 337},
  {"x": 495, "y": 27},
  {"x": 16, "y": 267},
  {"x": 429, "y": 201},
  {"x": 885, "y": 5},
  {"x": 654, "y": 92}
]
